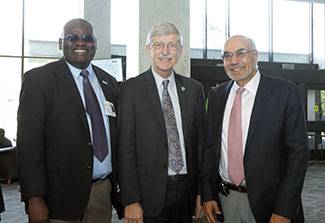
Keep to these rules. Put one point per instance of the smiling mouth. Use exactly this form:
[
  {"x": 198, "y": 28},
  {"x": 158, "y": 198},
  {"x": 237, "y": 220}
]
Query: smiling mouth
[
  {"x": 79, "y": 51},
  {"x": 236, "y": 69},
  {"x": 164, "y": 59}
]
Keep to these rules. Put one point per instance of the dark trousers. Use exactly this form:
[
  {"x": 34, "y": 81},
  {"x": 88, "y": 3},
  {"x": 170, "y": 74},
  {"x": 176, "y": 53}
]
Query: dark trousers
[{"x": 177, "y": 208}]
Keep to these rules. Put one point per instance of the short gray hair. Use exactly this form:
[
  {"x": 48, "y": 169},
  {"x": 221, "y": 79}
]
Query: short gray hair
[{"x": 164, "y": 29}]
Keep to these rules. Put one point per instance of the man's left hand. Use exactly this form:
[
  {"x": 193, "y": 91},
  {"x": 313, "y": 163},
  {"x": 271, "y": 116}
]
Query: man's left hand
[
  {"x": 279, "y": 219},
  {"x": 198, "y": 208}
]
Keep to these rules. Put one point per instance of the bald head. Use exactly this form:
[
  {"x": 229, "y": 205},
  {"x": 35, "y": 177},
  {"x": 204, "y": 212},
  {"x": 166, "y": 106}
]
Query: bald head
[
  {"x": 76, "y": 22},
  {"x": 244, "y": 40}
]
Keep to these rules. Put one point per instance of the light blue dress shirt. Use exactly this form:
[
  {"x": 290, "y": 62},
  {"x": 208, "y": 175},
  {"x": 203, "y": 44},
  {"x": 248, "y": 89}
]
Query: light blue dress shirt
[{"x": 100, "y": 169}]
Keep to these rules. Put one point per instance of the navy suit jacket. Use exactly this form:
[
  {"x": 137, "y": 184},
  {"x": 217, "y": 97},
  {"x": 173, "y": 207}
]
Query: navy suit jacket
[
  {"x": 276, "y": 152},
  {"x": 55, "y": 154},
  {"x": 143, "y": 149}
]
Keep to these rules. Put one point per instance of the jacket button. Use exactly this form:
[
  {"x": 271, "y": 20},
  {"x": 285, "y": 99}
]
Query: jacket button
[
  {"x": 165, "y": 166},
  {"x": 166, "y": 144},
  {"x": 89, "y": 143},
  {"x": 89, "y": 167}
]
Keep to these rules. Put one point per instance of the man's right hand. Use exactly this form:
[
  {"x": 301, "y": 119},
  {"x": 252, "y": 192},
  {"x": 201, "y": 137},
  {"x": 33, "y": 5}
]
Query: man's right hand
[
  {"x": 37, "y": 210},
  {"x": 208, "y": 208},
  {"x": 133, "y": 213}
]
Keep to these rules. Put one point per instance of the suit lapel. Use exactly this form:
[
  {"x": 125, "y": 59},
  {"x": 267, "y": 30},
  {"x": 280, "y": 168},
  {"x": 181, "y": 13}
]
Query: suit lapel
[
  {"x": 108, "y": 89},
  {"x": 67, "y": 80},
  {"x": 258, "y": 109},
  {"x": 221, "y": 105},
  {"x": 110, "y": 93},
  {"x": 151, "y": 87},
  {"x": 183, "y": 102}
]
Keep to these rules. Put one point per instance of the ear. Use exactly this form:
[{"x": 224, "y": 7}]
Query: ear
[
  {"x": 255, "y": 56},
  {"x": 60, "y": 44},
  {"x": 95, "y": 43},
  {"x": 148, "y": 48},
  {"x": 180, "y": 51}
]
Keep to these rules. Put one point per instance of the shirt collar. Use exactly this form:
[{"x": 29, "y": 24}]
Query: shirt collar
[
  {"x": 76, "y": 71},
  {"x": 159, "y": 80}
]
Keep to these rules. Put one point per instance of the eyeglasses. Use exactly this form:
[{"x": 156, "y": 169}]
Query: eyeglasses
[
  {"x": 73, "y": 38},
  {"x": 239, "y": 54},
  {"x": 161, "y": 45}
]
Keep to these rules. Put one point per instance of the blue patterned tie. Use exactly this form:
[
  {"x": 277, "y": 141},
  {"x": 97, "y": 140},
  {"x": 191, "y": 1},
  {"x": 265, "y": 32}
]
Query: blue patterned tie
[
  {"x": 97, "y": 124},
  {"x": 176, "y": 162}
]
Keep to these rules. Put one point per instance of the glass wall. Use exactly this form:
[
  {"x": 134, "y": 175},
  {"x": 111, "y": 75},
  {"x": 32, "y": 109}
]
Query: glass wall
[
  {"x": 10, "y": 77},
  {"x": 291, "y": 31},
  {"x": 245, "y": 20},
  {"x": 319, "y": 34},
  {"x": 280, "y": 28},
  {"x": 197, "y": 22},
  {"x": 38, "y": 31},
  {"x": 216, "y": 27}
]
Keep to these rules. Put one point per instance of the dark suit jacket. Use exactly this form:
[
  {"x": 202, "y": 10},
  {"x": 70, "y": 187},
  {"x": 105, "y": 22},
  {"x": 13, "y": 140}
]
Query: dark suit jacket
[
  {"x": 4, "y": 142},
  {"x": 143, "y": 150},
  {"x": 55, "y": 155},
  {"x": 276, "y": 152},
  {"x": 2, "y": 205}
]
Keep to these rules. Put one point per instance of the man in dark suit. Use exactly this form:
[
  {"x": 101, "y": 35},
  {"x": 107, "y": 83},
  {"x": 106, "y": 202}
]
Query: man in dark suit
[
  {"x": 2, "y": 205},
  {"x": 161, "y": 123},
  {"x": 4, "y": 142},
  {"x": 255, "y": 171},
  {"x": 66, "y": 134}
]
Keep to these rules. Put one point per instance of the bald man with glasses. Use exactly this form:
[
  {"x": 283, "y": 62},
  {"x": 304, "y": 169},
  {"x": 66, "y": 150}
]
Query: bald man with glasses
[{"x": 256, "y": 149}]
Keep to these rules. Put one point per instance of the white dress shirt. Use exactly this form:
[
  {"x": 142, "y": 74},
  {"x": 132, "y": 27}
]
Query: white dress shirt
[
  {"x": 248, "y": 98},
  {"x": 172, "y": 90}
]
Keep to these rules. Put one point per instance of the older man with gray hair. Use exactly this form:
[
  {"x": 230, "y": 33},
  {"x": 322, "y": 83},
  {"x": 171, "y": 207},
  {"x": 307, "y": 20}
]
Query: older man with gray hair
[{"x": 161, "y": 123}]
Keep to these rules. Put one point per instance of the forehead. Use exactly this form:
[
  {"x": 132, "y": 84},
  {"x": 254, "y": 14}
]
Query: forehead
[
  {"x": 236, "y": 43},
  {"x": 165, "y": 38},
  {"x": 78, "y": 28}
]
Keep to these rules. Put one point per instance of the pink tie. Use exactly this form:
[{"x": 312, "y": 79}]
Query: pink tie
[{"x": 235, "y": 147}]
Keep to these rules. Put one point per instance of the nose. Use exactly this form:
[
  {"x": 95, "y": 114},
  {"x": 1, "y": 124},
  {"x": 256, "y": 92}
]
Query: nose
[
  {"x": 80, "y": 42},
  {"x": 165, "y": 50},
  {"x": 234, "y": 59}
]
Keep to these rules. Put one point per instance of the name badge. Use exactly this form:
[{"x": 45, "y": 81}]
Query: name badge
[{"x": 109, "y": 109}]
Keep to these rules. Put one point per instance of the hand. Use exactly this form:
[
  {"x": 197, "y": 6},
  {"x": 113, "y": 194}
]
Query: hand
[
  {"x": 37, "y": 210},
  {"x": 209, "y": 207},
  {"x": 133, "y": 213},
  {"x": 279, "y": 219},
  {"x": 199, "y": 213}
]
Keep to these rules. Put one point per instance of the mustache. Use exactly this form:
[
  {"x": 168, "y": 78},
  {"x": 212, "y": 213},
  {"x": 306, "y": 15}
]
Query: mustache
[{"x": 168, "y": 56}]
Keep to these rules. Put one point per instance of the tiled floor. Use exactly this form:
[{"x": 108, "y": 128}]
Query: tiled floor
[{"x": 313, "y": 198}]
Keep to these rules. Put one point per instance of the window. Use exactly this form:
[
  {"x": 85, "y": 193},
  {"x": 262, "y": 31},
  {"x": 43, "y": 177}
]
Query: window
[
  {"x": 10, "y": 77},
  {"x": 316, "y": 105},
  {"x": 246, "y": 20},
  {"x": 216, "y": 25},
  {"x": 319, "y": 35},
  {"x": 11, "y": 25},
  {"x": 44, "y": 27},
  {"x": 291, "y": 31},
  {"x": 197, "y": 28}
]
